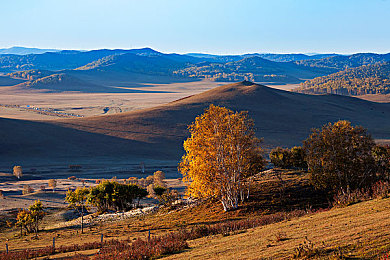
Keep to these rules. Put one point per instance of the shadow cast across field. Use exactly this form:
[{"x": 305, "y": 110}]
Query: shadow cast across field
[{"x": 33, "y": 141}]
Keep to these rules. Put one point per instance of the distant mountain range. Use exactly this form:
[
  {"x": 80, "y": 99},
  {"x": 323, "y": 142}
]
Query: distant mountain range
[
  {"x": 24, "y": 50},
  {"x": 108, "y": 68},
  {"x": 366, "y": 79},
  {"x": 268, "y": 56}
]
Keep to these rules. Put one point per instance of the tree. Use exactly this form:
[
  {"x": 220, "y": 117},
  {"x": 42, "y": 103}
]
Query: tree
[
  {"x": 159, "y": 177},
  {"x": 37, "y": 214},
  {"x": 52, "y": 184},
  {"x": 77, "y": 200},
  {"x": 24, "y": 220},
  {"x": 297, "y": 157},
  {"x": 381, "y": 155},
  {"x": 18, "y": 171},
  {"x": 29, "y": 218},
  {"x": 280, "y": 157},
  {"x": 220, "y": 154},
  {"x": 339, "y": 157}
]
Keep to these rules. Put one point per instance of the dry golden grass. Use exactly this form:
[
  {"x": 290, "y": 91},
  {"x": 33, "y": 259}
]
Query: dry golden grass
[
  {"x": 265, "y": 199},
  {"x": 363, "y": 230}
]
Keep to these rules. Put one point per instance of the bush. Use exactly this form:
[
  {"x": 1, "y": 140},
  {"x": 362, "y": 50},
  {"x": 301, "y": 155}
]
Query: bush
[
  {"x": 27, "y": 189},
  {"x": 280, "y": 157}
]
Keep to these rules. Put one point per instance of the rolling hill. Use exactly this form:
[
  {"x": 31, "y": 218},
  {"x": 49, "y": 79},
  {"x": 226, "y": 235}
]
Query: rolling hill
[
  {"x": 282, "y": 118},
  {"x": 366, "y": 79},
  {"x": 254, "y": 69},
  {"x": 61, "y": 83}
]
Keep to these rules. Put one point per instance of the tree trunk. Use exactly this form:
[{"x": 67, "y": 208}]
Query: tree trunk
[{"x": 82, "y": 219}]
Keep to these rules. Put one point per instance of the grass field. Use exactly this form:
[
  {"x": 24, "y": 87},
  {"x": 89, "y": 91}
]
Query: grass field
[{"x": 360, "y": 230}]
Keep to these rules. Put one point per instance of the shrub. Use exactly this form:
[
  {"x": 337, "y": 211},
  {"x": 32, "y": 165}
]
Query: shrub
[
  {"x": 280, "y": 157},
  {"x": 288, "y": 158},
  {"x": 27, "y": 189}
]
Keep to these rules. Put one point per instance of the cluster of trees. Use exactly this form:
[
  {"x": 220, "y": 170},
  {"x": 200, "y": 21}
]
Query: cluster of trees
[
  {"x": 370, "y": 79},
  {"x": 108, "y": 195},
  {"x": 222, "y": 152},
  {"x": 28, "y": 219},
  {"x": 288, "y": 158}
]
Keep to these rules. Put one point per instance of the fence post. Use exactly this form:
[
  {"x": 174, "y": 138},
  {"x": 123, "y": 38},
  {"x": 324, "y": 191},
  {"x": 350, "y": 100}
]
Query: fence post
[
  {"x": 54, "y": 242},
  {"x": 149, "y": 236},
  {"x": 101, "y": 239},
  {"x": 6, "y": 247}
]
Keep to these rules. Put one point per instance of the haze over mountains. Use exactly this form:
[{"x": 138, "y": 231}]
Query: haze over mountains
[{"x": 23, "y": 50}]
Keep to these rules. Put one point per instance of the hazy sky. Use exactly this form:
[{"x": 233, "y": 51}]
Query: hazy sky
[{"x": 210, "y": 26}]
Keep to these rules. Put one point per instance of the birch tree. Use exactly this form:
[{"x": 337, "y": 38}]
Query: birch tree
[{"x": 221, "y": 153}]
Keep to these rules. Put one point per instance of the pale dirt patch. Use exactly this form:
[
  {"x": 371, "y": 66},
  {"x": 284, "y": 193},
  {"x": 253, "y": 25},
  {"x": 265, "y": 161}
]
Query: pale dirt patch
[{"x": 92, "y": 104}]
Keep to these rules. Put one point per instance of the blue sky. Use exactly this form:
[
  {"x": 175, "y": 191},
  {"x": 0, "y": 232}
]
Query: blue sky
[{"x": 209, "y": 26}]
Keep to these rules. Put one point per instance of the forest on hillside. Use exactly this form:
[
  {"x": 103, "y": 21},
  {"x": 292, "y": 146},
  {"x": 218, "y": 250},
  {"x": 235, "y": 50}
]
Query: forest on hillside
[{"x": 366, "y": 79}]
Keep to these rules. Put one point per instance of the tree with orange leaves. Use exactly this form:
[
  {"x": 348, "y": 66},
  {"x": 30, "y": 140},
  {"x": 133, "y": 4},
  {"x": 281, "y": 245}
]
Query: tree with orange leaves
[{"x": 221, "y": 153}]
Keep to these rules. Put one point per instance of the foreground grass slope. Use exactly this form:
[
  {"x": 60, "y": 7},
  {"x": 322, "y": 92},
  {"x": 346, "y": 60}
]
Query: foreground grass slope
[{"x": 361, "y": 231}]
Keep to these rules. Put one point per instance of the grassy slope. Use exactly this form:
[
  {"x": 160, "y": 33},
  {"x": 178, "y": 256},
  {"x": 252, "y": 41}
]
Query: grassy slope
[{"x": 363, "y": 230}]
